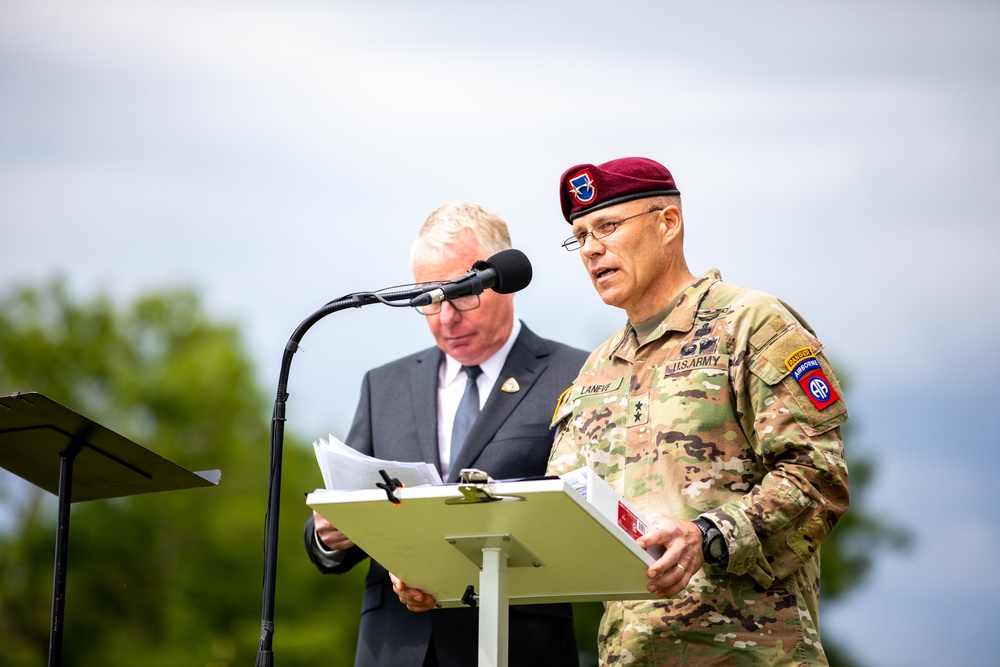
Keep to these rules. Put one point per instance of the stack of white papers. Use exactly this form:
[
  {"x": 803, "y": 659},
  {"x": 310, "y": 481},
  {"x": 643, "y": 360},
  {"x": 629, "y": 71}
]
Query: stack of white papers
[{"x": 346, "y": 469}]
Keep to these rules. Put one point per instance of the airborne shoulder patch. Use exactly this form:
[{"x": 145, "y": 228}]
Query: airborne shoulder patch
[{"x": 807, "y": 371}]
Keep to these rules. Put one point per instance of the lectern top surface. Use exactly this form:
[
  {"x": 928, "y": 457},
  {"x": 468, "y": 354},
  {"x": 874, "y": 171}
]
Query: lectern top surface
[{"x": 559, "y": 546}]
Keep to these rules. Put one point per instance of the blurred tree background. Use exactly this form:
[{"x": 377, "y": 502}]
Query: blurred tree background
[
  {"x": 166, "y": 579},
  {"x": 174, "y": 579}
]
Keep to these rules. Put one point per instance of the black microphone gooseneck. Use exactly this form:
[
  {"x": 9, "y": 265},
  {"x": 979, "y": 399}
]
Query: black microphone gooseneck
[
  {"x": 265, "y": 656},
  {"x": 506, "y": 272}
]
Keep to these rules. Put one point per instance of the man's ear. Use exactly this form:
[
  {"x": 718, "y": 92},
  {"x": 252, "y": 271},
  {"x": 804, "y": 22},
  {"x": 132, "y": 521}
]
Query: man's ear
[{"x": 671, "y": 223}]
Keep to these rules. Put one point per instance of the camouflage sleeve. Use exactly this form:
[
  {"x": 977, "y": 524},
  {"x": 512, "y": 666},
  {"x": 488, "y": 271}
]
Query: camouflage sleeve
[
  {"x": 791, "y": 410},
  {"x": 565, "y": 455}
]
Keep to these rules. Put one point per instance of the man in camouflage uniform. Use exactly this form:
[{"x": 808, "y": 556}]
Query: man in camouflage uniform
[{"x": 714, "y": 412}]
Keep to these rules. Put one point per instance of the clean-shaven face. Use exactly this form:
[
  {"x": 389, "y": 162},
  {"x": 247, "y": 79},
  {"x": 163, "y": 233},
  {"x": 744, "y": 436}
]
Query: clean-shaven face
[
  {"x": 624, "y": 266},
  {"x": 471, "y": 336}
]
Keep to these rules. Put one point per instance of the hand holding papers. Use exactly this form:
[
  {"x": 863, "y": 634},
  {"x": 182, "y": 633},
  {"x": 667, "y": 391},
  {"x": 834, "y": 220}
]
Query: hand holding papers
[{"x": 346, "y": 469}]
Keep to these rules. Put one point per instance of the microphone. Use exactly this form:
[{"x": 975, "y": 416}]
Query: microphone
[{"x": 506, "y": 272}]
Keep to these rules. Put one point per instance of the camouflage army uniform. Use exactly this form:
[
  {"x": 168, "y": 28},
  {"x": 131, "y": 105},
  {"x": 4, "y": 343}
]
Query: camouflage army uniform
[{"x": 706, "y": 418}]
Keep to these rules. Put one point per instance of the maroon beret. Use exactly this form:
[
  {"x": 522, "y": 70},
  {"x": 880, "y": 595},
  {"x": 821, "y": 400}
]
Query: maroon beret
[{"x": 586, "y": 187}]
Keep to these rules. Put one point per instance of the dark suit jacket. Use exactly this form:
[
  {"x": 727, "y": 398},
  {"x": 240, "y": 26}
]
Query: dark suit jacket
[{"x": 396, "y": 419}]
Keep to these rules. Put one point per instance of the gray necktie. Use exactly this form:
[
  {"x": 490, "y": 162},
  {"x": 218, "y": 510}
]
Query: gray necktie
[{"x": 468, "y": 410}]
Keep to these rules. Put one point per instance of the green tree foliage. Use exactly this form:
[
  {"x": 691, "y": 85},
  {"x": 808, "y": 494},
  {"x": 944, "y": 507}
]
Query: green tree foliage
[{"x": 166, "y": 579}]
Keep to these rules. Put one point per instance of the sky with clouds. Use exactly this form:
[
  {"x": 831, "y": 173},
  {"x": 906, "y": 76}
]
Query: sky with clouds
[{"x": 843, "y": 156}]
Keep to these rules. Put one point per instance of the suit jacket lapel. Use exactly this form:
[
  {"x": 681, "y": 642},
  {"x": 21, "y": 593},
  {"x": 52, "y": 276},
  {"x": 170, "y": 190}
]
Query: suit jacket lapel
[
  {"x": 526, "y": 361},
  {"x": 423, "y": 396}
]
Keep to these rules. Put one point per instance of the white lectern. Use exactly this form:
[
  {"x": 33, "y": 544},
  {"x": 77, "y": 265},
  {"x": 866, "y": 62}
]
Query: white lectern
[{"x": 522, "y": 542}]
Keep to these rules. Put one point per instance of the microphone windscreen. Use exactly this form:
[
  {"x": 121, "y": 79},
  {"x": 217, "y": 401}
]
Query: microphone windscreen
[{"x": 513, "y": 270}]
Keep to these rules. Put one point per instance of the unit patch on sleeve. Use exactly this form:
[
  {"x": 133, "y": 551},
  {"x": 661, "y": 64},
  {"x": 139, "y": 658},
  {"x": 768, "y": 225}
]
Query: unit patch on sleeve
[{"x": 807, "y": 371}]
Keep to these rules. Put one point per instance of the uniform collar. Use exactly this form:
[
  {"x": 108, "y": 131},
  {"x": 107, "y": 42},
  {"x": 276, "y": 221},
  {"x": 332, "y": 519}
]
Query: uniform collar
[{"x": 679, "y": 315}]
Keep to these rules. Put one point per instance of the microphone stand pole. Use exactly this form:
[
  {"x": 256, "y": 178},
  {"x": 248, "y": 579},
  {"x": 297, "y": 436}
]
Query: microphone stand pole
[{"x": 265, "y": 656}]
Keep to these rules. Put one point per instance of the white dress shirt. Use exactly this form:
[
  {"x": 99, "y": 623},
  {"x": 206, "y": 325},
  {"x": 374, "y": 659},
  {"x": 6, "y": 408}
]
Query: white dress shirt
[{"x": 451, "y": 388}]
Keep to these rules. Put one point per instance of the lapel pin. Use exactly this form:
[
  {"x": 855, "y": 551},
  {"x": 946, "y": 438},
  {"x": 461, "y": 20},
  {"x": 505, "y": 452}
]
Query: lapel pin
[{"x": 510, "y": 386}]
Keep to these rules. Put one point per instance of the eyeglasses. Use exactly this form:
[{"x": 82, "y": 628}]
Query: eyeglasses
[
  {"x": 462, "y": 304},
  {"x": 600, "y": 231}
]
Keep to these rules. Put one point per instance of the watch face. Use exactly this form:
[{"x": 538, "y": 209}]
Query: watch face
[
  {"x": 713, "y": 545},
  {"x": 716, "y": 547}
]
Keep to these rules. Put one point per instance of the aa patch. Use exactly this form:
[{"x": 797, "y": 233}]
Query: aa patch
[
  {"x": 582, "y": 188},
  {"x": 810, "y": 376}
]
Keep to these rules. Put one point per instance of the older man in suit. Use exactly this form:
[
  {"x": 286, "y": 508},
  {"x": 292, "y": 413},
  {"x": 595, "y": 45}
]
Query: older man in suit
[{"x": 418, "y": 408}]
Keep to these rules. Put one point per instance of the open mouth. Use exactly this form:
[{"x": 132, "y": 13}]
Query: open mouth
[{"x": 603, "y": 272}]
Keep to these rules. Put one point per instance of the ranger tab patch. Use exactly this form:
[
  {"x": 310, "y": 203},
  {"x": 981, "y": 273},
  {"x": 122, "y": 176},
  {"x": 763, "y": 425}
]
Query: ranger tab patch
[
  {"x": 798, "y": 355},
  {"x": 807, "y": 371}
]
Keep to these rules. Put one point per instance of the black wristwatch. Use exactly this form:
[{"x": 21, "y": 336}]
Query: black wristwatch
[{"x": 713, "y": 544}]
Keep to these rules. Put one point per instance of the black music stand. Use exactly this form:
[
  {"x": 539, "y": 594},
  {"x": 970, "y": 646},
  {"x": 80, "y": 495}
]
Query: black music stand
[{"x": 77, "y": 459}]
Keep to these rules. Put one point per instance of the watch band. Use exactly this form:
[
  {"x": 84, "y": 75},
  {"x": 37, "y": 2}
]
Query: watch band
[{"x": 711, "y": 540}]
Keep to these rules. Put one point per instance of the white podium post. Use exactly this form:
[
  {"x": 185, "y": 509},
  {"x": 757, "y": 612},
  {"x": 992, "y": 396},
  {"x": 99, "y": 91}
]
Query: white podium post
[{"x": 494, "y": 608}]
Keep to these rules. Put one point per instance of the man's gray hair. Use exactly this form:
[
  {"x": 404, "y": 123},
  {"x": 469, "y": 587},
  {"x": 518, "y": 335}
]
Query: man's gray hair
[{"x": 449, "y": 220}]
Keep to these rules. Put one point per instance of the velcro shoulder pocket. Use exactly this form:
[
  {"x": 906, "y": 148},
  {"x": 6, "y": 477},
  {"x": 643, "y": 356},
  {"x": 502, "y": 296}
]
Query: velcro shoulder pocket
[{"x": 777, "y": 348}]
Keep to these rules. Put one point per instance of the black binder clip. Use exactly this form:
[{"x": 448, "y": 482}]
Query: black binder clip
[
  {"x": 470, "y": 598},
  {"x": 391, "y": 484}
]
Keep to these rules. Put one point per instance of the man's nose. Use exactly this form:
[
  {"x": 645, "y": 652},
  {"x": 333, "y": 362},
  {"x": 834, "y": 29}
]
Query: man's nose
[
  {"x": 593, "y": 242},
  {"x": 448, "y": 313}
]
